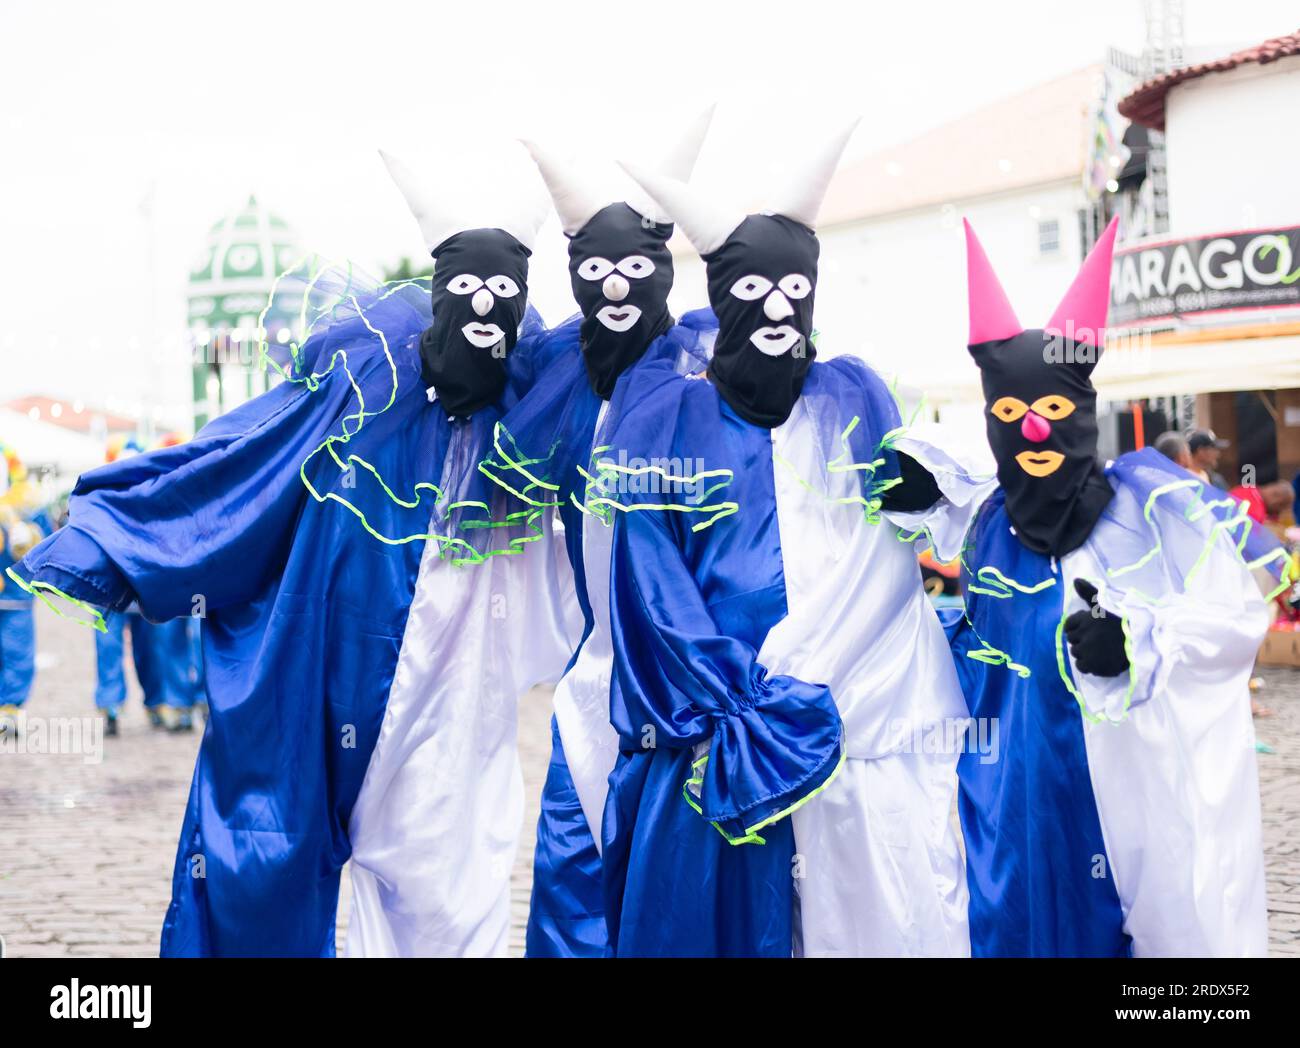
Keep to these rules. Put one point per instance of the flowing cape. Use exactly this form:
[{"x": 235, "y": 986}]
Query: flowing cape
[{"x": 294, "y": 527}]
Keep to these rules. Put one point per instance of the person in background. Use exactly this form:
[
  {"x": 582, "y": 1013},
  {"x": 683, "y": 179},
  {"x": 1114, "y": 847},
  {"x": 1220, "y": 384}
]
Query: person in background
[
  {"x": 192, "y": 668},
  {"x": 154, "y": 652},
  {"x": 1266, "y": 504},
  {"x": 1279, "y": 504},
  {"x": 1173, "y": 447},
  {"x": 1205, "y": 449},
  {"x": 20, "y": 529},
  {"x": 160, "y": 652}
]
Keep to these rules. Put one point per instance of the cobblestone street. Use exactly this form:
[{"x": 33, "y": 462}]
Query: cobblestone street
[{"x": 86, "y": 849}]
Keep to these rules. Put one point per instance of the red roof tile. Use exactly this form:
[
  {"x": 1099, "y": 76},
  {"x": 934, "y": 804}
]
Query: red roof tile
[
  {"x": 1146, "y": 105},
  {"x": 68, "y": 418}
]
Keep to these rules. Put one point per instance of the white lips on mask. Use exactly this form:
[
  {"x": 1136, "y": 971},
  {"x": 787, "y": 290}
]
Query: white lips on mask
[
  {"x": 619, "y": 317},
  {"x": 775, "y": 340},
  {"x": 484, "y": 336}
]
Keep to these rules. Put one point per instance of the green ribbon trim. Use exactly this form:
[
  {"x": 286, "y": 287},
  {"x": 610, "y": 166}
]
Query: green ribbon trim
[
  {"x": 40, "y": 589},
  {"x": 1005, "y": 587},
  {"x": 1196, "y": 509},
  {"x": 750, "y": 835},
  {"x": 607, "y": 470},
  {"x": 1063, "y": 668},
  {"x": 459, "y": 551},
  {"x": 518, "y": 462},
  {"x": 871, "y": 501}
]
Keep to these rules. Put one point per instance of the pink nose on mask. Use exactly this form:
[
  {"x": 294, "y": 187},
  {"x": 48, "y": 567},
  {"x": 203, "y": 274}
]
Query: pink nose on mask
[{"x": 1035, "y": 428}]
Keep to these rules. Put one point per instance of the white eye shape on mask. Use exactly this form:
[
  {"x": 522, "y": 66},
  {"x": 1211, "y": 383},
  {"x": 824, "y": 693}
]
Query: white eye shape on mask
[
  {"x": 595, "y": 268},
  {"x": 636, "y": 267},
  {"x": 464, "y": 284},
  {"x": 750, "y": 288},
  {"x": 502, "y": 287},
  {"x": 795, "y": 285}
]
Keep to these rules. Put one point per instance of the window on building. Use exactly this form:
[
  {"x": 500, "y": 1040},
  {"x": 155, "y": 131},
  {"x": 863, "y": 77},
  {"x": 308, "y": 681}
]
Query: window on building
[{"x": 1049, "y": 236}]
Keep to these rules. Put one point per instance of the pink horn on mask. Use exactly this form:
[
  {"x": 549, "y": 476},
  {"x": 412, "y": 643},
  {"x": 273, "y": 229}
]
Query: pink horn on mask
[
  {"x": 1082, "y": 312},
  {"x": 991, "y": 316}
]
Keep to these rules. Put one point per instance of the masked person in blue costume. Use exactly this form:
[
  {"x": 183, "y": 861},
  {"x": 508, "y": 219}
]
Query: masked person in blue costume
[
  {"x": 436, "y": 826},
  {"x": 328, "y": 529},
  {"x": 1112, "y": 623},
  {"x": 775, "y": 656},
  {"x": 621, "y": 271}
]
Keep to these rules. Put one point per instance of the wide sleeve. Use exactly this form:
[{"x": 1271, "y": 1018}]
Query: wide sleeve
[
  {"x": 203, "y": 524},
  {"x": 763, "y": 743},
  {"x": 541, "y": 615},
  {"x": 964, "y": 474},
  {"x": 1192, "y": 612}
]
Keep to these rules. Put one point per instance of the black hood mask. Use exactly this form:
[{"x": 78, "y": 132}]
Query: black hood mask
[
  {"x": 1041, "y": 407},
  {"x": 621, "y": 271},
  {"x": 480, "y": 289},
  {"x": 1042, "y": 426},
  {"x": 761, "y": 284}
]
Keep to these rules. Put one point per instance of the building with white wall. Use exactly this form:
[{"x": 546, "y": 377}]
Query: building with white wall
[
  {"x": 1219, "y": 295},
  {"x": 892, "y": 281}
]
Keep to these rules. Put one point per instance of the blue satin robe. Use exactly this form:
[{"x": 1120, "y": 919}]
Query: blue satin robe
[
  {"x": 1033, "y": 835},
  {"x": 566, "y": 916},
  {"x": 708, "y": 872},
  {"x": 304, "y": 613}
]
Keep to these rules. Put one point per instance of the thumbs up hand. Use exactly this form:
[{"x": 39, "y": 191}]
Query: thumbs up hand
[{"x": 1095, "y": 636}]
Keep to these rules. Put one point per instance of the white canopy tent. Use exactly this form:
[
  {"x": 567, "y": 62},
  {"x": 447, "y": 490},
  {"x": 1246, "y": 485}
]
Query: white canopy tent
[{"x": 1184, "y": 362}]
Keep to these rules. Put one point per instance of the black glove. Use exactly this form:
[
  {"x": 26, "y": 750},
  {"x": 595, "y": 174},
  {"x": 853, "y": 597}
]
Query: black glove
[
  {"x": 1096, "y": 637},
  {"x": 917, "y": 491}
]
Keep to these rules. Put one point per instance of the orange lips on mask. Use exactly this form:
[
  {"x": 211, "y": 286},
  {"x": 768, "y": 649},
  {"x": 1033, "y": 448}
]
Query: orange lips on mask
[{"x": 1040, "y": 463}]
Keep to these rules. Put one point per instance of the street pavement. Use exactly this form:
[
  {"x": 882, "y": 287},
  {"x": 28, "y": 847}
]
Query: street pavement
[{"x": 86, "y": 848}]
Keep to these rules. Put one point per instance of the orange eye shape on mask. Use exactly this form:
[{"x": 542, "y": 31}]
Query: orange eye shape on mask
[
  {"x": 1008, "y": 409},
  {"x": 1052, "y": 407}
]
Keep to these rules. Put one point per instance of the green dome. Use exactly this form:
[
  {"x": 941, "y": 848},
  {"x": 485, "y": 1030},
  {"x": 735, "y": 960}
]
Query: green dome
[{"x": 230, "y": 282}]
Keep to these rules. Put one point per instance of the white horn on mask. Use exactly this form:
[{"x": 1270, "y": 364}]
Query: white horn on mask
[
  {"x": 678, "y": 163},
  {"x": 576, "y": 199},
  {"x": 439, "y": 218},
  {"x": 436, "y": 224},
  {"x": 531, "y": 206},
  {"x": 705, "y": 223},
  {"x": 800, "y": 198}
]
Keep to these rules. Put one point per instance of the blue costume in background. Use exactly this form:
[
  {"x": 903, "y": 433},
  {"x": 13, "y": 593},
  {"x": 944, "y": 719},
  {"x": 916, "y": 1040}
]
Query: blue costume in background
[
  {"x": 17, "y": 653},
  {"x": 160, "y": 663},
  {"x": 17, "y": 621}
]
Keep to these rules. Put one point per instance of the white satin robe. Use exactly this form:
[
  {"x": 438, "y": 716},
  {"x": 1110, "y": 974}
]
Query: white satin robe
[
  {"x": 881, "y": 869},
  {"x": 436, "y": 825}
]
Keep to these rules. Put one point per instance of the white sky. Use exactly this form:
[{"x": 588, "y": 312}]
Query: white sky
[{"x": 105, "y": 107}]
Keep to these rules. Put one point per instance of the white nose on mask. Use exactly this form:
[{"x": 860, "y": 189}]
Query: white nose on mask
[
  {"x": 482, "y": 302},
  {"x": 777, "y": 306},
  {"x": 616, "y": 287}
]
